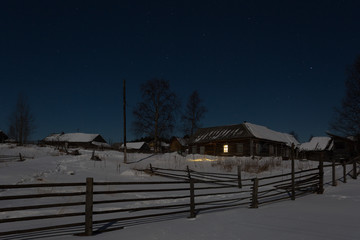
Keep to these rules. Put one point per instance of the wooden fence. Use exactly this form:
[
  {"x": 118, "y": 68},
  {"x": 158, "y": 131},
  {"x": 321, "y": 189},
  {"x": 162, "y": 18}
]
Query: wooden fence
[
  {"x": 11, "y": 158},
  {"x": 92, "y": 207}
]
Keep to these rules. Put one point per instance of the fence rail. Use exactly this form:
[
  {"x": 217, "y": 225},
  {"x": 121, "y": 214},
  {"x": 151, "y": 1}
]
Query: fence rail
[
  {"x": 12, "y": 158},
  {"x": 93, "y": 205}
]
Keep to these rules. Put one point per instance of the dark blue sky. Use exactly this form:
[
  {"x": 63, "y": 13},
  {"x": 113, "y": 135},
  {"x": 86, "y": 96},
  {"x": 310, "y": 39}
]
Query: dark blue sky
[{"x": 275, "y": 63}]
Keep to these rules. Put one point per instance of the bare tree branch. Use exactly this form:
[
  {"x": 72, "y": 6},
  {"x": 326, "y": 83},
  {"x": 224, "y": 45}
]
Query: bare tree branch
[
  {"x": 21, "y": 121},
  {"x": 194, "y": 112},
  {"x": 155, "y": 114},
  {"x": 347, "y": 117}
]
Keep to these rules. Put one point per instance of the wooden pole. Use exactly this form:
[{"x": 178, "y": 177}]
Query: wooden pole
[
  {"x": 124, "y": 93},
  {"x": 321, "y": 174},
  {"x": 292, "y": 173},
  {"x": 334, "y": 183},
  {"x": 89, "y": 207},
  {"x": 188, "y": 171},
  {"x": 192, "y": 199},
  {"x": 254, "y": 202},
  {"x": 239, "y": 176},
  {"x": 354, "y": 169},
  {"x": 344, "y": 170}
]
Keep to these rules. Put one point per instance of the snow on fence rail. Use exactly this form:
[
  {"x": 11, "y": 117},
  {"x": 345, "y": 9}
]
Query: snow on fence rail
[{"x": 101, "y": 206}]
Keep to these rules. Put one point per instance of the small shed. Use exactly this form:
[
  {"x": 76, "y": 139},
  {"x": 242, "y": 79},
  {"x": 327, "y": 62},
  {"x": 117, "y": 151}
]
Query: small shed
[
  {"x": 317, "y": 148},
  {"x": 246, "y": 139},
  {"x": 73, "y": 140},
  {"x": 178, "y": 144},
  {"x": 141, "y": 147},
  {"x": 3, "y": 137},
  {"x": 344, "y": 148}
]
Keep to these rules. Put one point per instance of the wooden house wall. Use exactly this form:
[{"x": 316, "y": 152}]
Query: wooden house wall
[
  {"x": 317, "y": 155},
  {"x": 251, "y": 147},
  {"x": 175, "y": 146},
  {"x": 343, "y": 150},
  {"x": 72, "y": 144}
]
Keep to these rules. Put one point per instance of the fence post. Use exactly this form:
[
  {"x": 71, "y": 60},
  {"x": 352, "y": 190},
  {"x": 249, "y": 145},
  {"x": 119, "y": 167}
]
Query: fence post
[
  {"x": 188, "y": 171},
  {"x": 334, "y": 183},
  {"x": 354, "y": 169},
  {"x": 344, "y": 170},
  {"x": 239, "y": 176},
  {"x": 89, "y": 207},
  {"x": 292, "y": 173},
  {"x": 321, "y": 175},
  {"x": 254, "y": 202},
  {"x": 192, "y": 199}
]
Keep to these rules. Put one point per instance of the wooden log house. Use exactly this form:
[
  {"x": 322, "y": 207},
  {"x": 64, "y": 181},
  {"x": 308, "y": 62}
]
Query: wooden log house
[
  {"x": 344, "y": 148},
  {"x": 74, "y": 140},
  {"x": 317, "y": 148},
  {"x": 244, "y": 139},
  {"x": 178, "y": 144}
]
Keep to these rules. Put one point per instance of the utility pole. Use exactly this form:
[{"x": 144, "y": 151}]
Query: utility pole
[{"x": 125, "y": 157}]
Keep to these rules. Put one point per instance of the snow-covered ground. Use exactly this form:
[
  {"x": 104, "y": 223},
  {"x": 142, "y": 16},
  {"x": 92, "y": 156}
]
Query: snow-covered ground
[{"x": 333, "y": 215}]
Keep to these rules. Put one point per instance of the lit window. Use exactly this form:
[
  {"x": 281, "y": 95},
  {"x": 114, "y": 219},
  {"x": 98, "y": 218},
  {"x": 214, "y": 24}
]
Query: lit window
[{"x": 226, "y": 148}]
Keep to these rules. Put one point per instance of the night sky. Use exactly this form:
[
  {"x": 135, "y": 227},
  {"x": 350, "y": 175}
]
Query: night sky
[{"x": 281, "y": 64}]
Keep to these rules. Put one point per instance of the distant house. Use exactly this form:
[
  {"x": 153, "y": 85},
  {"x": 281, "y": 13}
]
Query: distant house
[
  {"x": 72, "y": 140},
  {"x": 136, "y": 147},
  {"x": 344, "y": 148},
  {"x": 317, "y": 148},
  {"x": 3, "y": 137},
  {"x": 164, "y": 147},
  {"x": 178, "y": 144},
  {"x": 246, "y": 139}
]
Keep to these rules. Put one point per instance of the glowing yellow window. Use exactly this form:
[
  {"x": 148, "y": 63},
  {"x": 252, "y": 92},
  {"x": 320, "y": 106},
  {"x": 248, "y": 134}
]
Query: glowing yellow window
[{"x": 226, "y": 148}]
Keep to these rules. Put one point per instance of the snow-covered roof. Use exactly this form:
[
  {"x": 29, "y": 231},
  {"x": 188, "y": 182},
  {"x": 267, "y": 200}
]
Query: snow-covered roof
[
  {"x": 71, "y": 137},
  {"x": 244, "y": 130},
  {"x": 133, "y": 145},
  {"x": 268, "y": 134},
  {"x": 317, "y": 144},
  {"x": 101, "y": 144},
  {"x": 182, "y": 141}
]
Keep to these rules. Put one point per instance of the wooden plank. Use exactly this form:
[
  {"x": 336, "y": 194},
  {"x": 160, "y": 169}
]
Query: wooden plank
[
  {"x": 139, "y": 183},
  {"x": 254, "y": 201},
  {"x": 42, "y": 195},
  {"x": 292, "y": 173},
  {"x": 140, "y": 209},
  {"x": 192, "y": 199},
  {"x": 333, "y": 172},
  {"x": 41, "y": 185},
  {"x": 239, "y": 176},
  {"x": 89, "y": 207},
  {"x": 140, "y": 199},
  {"x": 9, "y": 209}
]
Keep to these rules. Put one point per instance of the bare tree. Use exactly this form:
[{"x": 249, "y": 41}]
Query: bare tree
[
  {"x": 21, "y": 121},
  {"x": 193, "y": 113},
  {"x": 155, "y": 114},
  {"x": 347, "y": 118}
]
